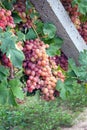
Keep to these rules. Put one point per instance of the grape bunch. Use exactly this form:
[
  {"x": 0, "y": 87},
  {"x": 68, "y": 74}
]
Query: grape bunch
[
  {"x": 55, "y": 71},
  {"x": 84, "y": 31},
  {"x": 73, "y": 12},
  {"x": 5, "y": 60},
  {"x": 40, "y": 70},
  {"x": 20, "y": 7},
  {"x": 6, "y": 19},
  {"x": 61, "y": 60},
  {"x": 76, "y": 18}
]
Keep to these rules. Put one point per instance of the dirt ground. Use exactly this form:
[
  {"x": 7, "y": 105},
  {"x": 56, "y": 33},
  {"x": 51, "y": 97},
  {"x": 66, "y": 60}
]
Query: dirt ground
[{"x": 80, "y": 122}]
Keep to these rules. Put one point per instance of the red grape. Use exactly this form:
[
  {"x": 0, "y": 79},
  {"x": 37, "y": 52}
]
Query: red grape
[
  {"x": 6, "y": 19},
  {"x": 39, "y": 69},
  {"x": 75, "y": 16}
]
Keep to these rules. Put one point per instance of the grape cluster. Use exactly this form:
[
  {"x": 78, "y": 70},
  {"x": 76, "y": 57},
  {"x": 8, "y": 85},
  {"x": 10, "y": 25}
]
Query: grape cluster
[
  {"x": 75, "y": 17},
  {"x": 6, "y": 19},
  {"x": 84, "y": 31},
  {"x": 73, "y": 12},
  {"x": 61, "y": 60},
  {"x": 5, "y": 60},
  {"x": 20, "y": 7},
  {"x": 55, "y": 71},
  {"x": 40, "y": 70}
]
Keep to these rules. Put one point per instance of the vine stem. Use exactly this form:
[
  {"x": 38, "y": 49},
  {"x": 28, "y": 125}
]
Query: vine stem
[
  {"x": 35, "y": 32},
  {"x": 2, "y": 5},
  {"x": 12, "y": 72},
  {"x": 72, "y": 77}
]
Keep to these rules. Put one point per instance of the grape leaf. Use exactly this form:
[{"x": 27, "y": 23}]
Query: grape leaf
[
  {"x": 73, "y": 66},
  {"x": 49, "y": 30},
  {"x": 78, "y": 72},
  {"x": 70, "y": 84},
  {"x": 54, "y": 47},
  {"x": 65, "y": 88},
  {"x": 8, "y": 46},
  {"x": 8, "y": 41},
  {"x": 52, "y": 50},
  {"x": 19, "y": 74},
  {"x": 82, "y": 9},
  {"x": 83, "y": 58},
  {"x": 8, "y": 4},
  {"x": 82, "y": 69},
  {"x": 61, "y": 88},
  {"x": 11, "y": 98},
  {"x": 16, "y": 17},
  {"x": 21, "y": 36},
  {"x": 39, "y": 26},
  {"x": 58, "y": 42},
  {"x": 28, "y": 5},
  {"x": 4, "y": 72},
  {"x": 82, "y": 73},
  {"x": 3, "y": 92},
  {"x": 82, "y": 6},
  {"x": 31, "y": 34},
  {"x": 16, "y": 57},
  {"x": 15, "y": 86},
  {"x": 83, "y": 18}
]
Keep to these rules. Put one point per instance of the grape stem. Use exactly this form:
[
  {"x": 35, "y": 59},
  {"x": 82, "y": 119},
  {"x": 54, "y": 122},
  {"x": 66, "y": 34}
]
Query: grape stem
[
  {"x": 12, "y": 72},
  {"x": 35, "y": 32},
  {"x": 2, "y": 5}
]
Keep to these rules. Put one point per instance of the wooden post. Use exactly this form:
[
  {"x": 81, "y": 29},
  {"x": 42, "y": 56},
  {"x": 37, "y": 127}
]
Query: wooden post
[{"x": 54, "y": 12}]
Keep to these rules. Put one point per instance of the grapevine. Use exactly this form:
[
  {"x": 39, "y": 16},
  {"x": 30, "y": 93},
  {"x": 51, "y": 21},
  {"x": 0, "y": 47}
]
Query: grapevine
[
  {"x": 30, "y": 54},
  {"x": 26, "y": 54}
]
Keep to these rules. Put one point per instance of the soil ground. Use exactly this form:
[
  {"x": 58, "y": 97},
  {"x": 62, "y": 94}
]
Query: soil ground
[{"x": 80, "y": 123}]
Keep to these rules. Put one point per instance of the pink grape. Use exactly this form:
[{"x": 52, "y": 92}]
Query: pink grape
[
  {"x": 6, "y": 19},
  {"x": 39, "y": 69}
]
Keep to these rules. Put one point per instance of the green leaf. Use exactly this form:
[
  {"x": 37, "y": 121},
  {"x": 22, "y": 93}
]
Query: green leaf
[
  {"x": 74, "y": 2},
  {"x": 82, "y": 6},
  {"x": 19, "y": 74},
  {"x": 73, "y": 66},
  {"x": 83, "y": 58},
  {"x": 82, "y": 69},
  {"x": 58, "y": 42},
  {"x": 49, "y": 30},
  {"x": 39, "y": 27},
  {"x": 79, "y": 71},
  {"x": 82, "y": 73},
  {"x": 83, "y": 18},
  {"x": 15, "y": 86},
  {"x": 21, "y": 36},
  {"x": 31, "y": 34},
  {"x": 8, "y": 5},
  {"x": 66, "y": 88},
  {"x": 11, "y": 98},
  {"x": 28, "y": 5},
  {"x": 16, "y": 57},
  {"x": 8, "y": 46},
  {"x": 70, "y": 83},
  {"x": 82, "y": 9},
  {"x": 16, "y": 17},
  {"x": 54, "y": 47},
  {"x": 61, "y": 88},
  {"x": 8, "y": 41},
  {"x": 52, "y": 50},
  {"x": 3, "y": 92},
  {"x": 4, "y": 72}
]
